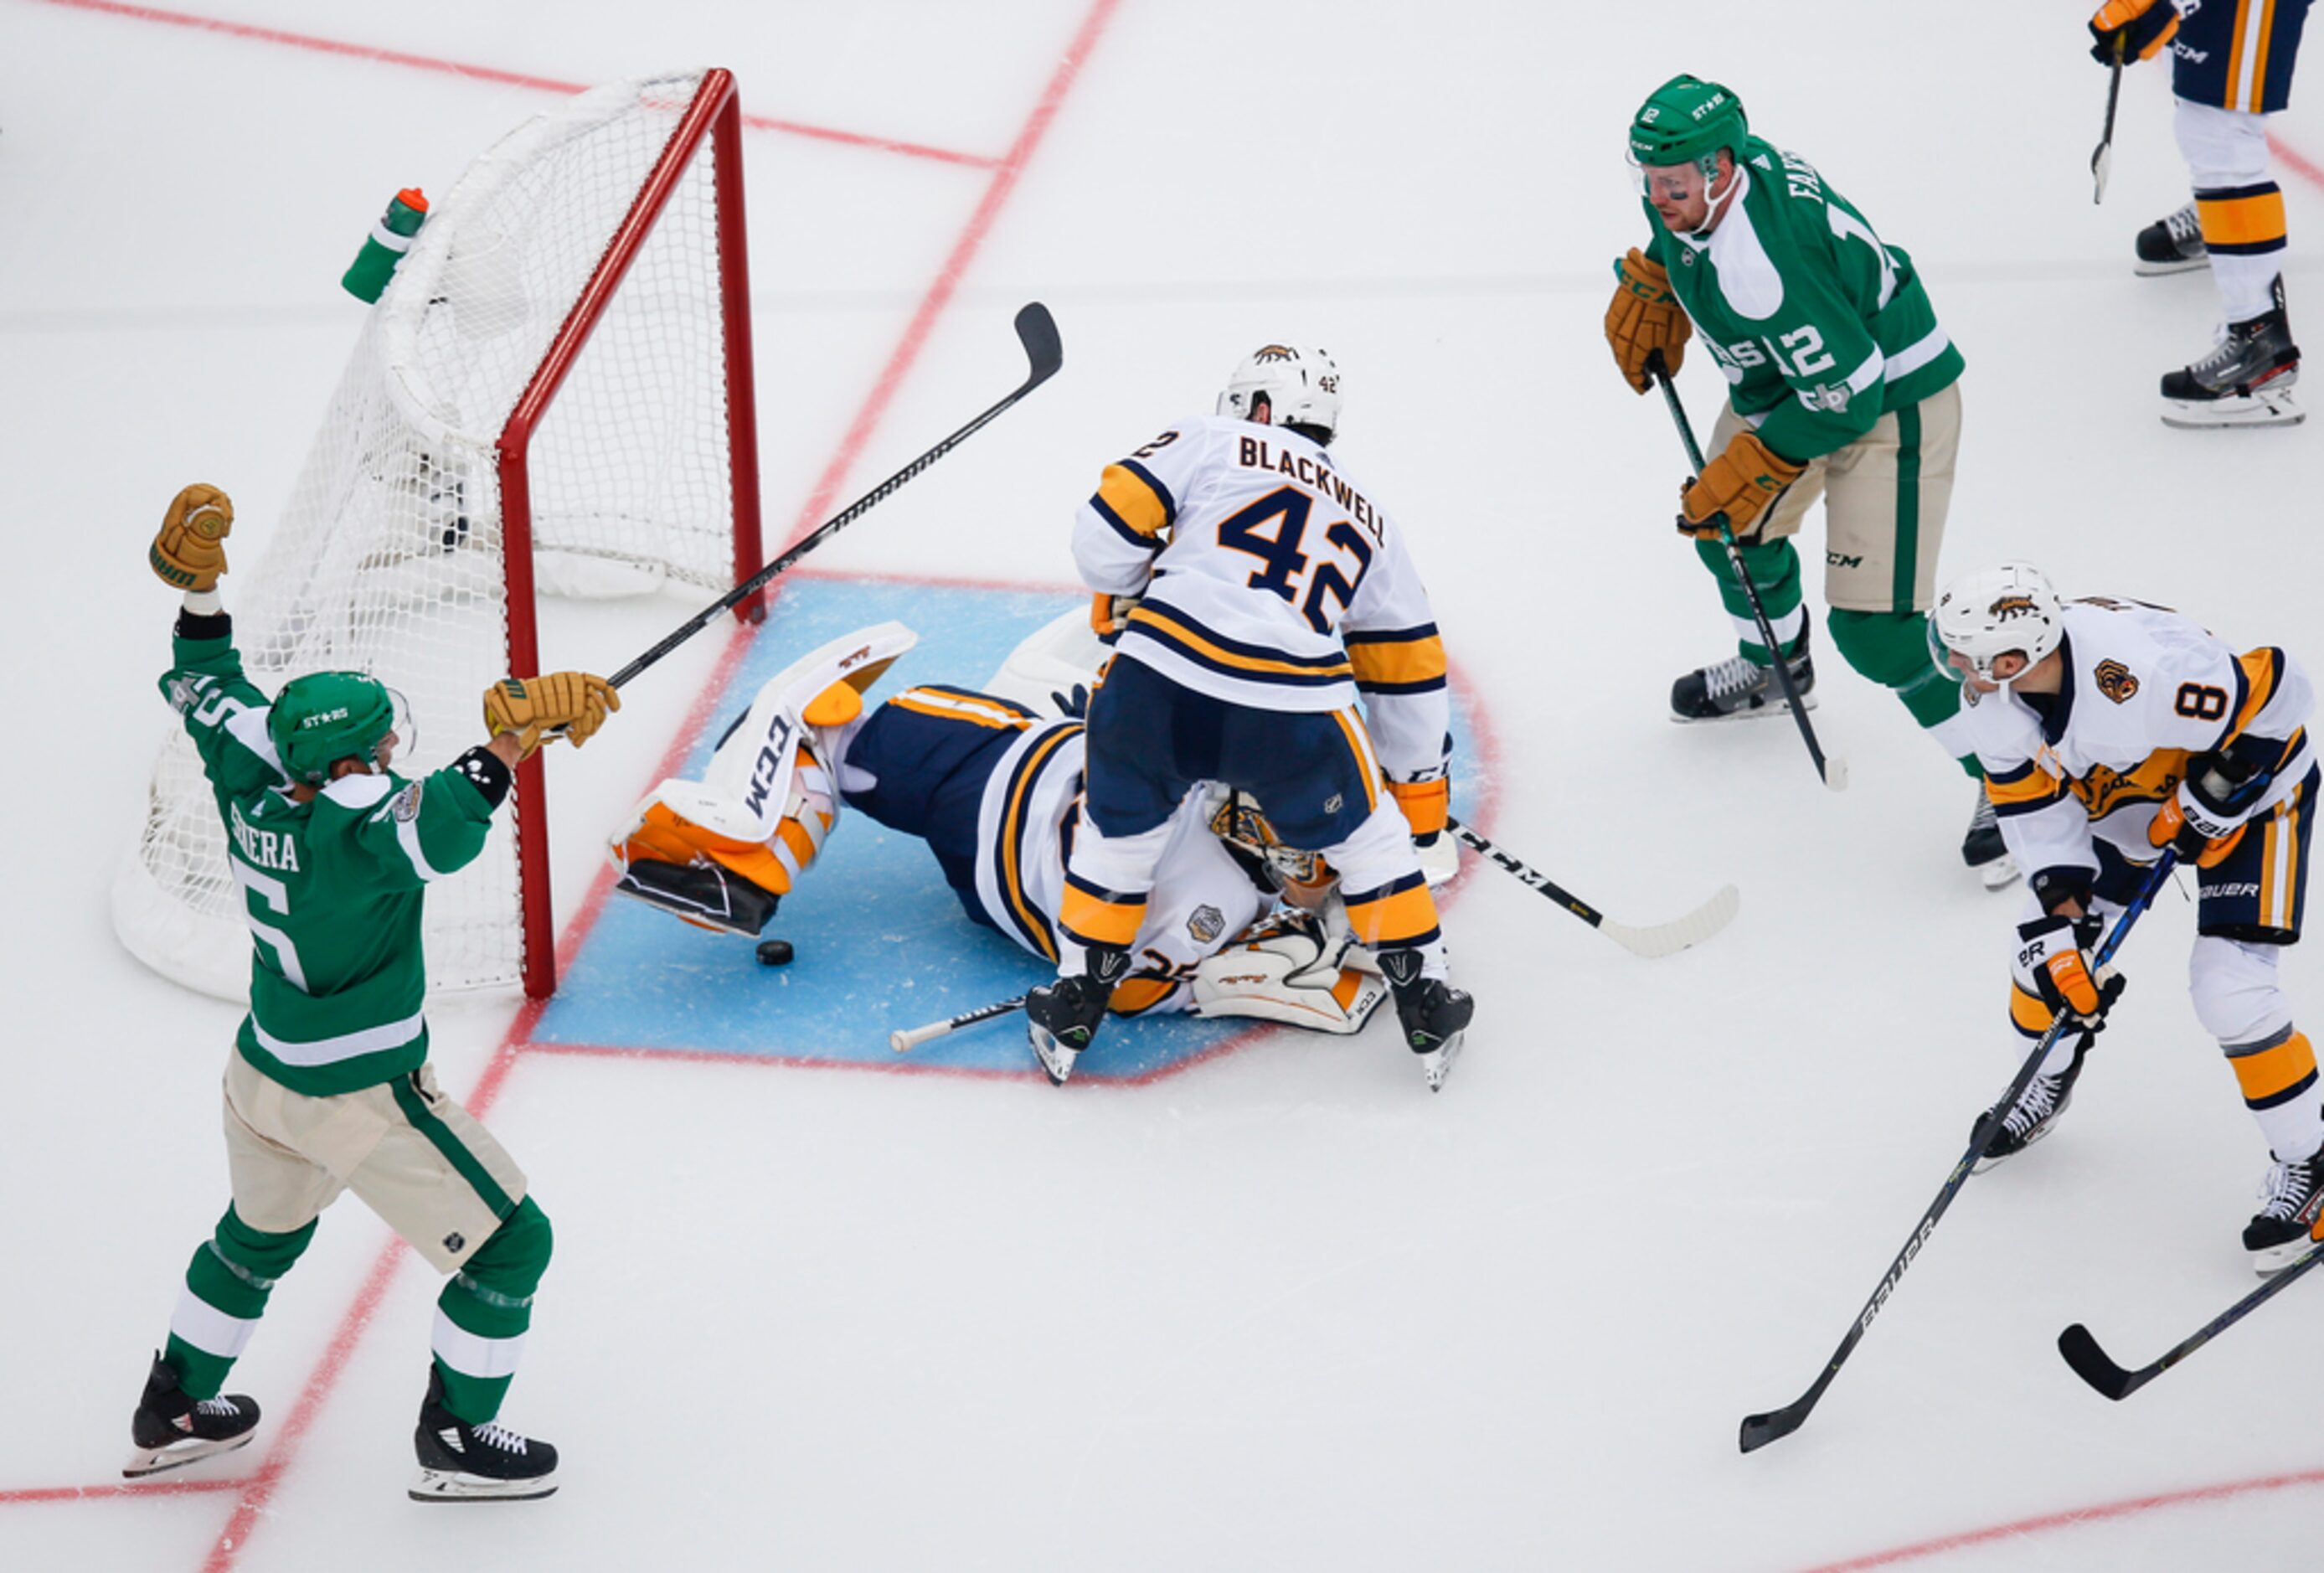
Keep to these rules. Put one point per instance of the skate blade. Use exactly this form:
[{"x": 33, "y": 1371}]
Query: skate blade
[
  {"x": 1437, "y": 1064},
  {"x": 458, "y": 1486},
  {"x": 177, "y": 1455},
  {"x": 2252, "y": 411},
  {"x": 1999, "y": 873},
  {"x": 2154, "y": 269},
  {"x": 1774, "y": 707},
  {"x": 1056, "y": 1060}
]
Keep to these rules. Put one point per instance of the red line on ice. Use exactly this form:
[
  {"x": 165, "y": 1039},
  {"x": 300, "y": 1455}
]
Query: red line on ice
[
  {"x": 390, "y": 57},
  {"x": 259, "y": 1490},
  {"x": 115, "y": 1489},
  {"x": 2298, "y": 162},
  {"x": 2080, "y": 1515}
]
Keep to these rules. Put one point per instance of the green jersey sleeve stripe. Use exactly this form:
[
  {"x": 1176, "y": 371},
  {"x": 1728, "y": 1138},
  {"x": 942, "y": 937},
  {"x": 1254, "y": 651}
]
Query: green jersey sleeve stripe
[
  {"x": 407, "y": 836},
  {"x": 1920, "y": 353}
]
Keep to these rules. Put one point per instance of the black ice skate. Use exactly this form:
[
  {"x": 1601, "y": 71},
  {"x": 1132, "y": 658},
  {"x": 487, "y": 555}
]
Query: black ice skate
[
  {"x": 1983, "y": 849},
  {"x": 170, "y": 1429},
  {"x": 2172, "y": 245},
  {"x": 2288, "y": 1200},
  {"x": 2246, "y": 380},
  {"x": 1434, "y": 1015},
  {"x": 2036, "y": 1110},
  {"x": 1062, "y": 1017},
  {"x": 1735, "y": 688},
  {"x": 459, "y": 1462}
]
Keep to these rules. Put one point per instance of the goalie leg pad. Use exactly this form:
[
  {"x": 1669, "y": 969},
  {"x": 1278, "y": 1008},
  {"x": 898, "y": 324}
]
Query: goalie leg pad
[{"x": 1288, "y": 972}]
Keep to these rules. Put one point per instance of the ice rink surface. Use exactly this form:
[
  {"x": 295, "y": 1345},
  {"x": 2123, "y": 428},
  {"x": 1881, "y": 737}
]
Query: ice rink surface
[{"x": 1285, "y": 1309}]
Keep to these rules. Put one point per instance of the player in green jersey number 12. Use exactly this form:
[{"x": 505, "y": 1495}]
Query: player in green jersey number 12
[
  {"x": 1842, "y": 383},
  {"x": 329, "y": 1087}
]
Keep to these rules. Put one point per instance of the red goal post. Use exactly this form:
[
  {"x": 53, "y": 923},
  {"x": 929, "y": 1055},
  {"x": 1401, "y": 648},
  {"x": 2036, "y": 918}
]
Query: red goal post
[{"x": 553, "y": 396}]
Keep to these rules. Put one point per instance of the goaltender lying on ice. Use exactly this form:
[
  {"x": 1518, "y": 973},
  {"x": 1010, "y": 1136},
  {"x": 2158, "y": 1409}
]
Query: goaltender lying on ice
[{"x": 1239, "y": 925}]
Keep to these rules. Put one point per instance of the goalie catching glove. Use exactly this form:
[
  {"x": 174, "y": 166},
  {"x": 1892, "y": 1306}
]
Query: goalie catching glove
[
  {"x": 1288, "y": 968},
  {"x": 1741, "y": 483},
  {"x": 189, "y": 553},
  {"x": 570, "y": 704},
  {"x": 2054, "y": 964},
  {"x": 1645, "y": 319}
]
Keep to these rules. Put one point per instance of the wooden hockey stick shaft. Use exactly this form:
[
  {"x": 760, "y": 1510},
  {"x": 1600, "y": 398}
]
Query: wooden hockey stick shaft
[
  {"x": 913, "y": 1037},
  {"x": 1760, "y": 1429},
  {"x": 1833, "y": 773},
  {"x": 1036, "y": 331}
]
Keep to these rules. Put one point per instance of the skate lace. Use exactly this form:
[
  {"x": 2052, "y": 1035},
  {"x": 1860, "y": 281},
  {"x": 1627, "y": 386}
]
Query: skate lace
[
  {"x": 1734, "y": 675},
  {"x": 2224, "y": 354},
  {"x": 2036, "y": 1103},
  {"x": 1983, "y": 819},
  {"x": 494, "y": 1435},
  {"x": 2288, "y": 1187},
  {"x": 2184, "y": 225},
  {"x": 221, "y": 1407}
]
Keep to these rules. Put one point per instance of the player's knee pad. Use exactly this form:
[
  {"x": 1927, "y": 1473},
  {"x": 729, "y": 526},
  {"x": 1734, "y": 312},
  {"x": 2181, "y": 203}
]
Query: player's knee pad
[
  {"x": 1890, "y": 648},
  {"x": 509, "y": 1265},
  {"x": 2236, "y": 995},
  {"x": 263, "y": 1255},
  {"x": 2223, "y": 147}
]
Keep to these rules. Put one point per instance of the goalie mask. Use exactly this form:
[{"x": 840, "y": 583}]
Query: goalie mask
[
  {"x": 1301, "y": 877},
  {"x": 1980, "y": 617},
  {"x": 1301, "y": 387}
]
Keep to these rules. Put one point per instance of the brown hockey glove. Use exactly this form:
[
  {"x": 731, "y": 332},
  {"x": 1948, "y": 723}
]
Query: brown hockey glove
[
  {"x": 189, "y": 552},
  {"x": 2138, "y": 28},
  {"x": 534, "y": 708},
  {"x": 1741, "y": 483},
  {"x": 1644, "y": 317}
]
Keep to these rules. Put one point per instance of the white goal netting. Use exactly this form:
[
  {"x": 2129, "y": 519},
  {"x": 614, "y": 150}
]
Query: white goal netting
[{"x": 390, "y": 556}]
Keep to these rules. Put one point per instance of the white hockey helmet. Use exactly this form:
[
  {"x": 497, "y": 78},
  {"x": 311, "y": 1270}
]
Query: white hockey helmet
[
  {"x": 1301, "y": 386},
  {"x": 2012, "y": 609}
]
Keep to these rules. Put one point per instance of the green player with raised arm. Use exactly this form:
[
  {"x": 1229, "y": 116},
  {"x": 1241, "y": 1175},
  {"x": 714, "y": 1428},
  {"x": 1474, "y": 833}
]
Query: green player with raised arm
[
  {"x": 329, "y": 1087},
  {"x": 1842, "y": 383}
]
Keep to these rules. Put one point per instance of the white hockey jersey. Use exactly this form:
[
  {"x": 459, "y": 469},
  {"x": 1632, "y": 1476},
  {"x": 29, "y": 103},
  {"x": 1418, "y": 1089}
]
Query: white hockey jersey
[
  {"x": 1026, "y": 822},
  {"x": 2145, "y": 688},
  {"x": 1269, "y": 579}
]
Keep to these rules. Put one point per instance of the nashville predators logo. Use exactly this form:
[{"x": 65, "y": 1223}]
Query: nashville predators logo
[
  {"x": 1274, "y": 352},
  {"x": 2115, "y": 681},
  {"x": 2009, "y": 606}
]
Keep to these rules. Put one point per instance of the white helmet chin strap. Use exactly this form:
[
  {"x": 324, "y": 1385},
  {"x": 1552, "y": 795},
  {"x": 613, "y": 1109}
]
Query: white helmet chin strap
[{"x": 1715, "y": 208}]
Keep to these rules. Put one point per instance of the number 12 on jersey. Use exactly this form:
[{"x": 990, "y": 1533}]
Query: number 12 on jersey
[{"x": 1284, "y": 561}]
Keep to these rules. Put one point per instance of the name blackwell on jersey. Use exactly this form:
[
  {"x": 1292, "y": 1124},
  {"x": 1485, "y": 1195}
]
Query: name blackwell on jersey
[{"x": 1253, "y": 453}]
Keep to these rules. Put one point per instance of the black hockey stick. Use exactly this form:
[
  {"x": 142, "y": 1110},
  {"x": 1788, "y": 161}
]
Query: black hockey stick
[
  {"x": 1036, "y": 330},
  {"x": 2102, "y": 158},
  {"x": 906, "y": 1038},
  {"x": 1760, "y": 1429},
  {"x": 2092, "y": 1364},
  {"x": 1833, "y": 773},
  {"x": 1658, "y": 940}
]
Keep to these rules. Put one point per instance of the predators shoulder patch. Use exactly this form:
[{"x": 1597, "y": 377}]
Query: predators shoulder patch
[{"x": 2115, "y": 681}]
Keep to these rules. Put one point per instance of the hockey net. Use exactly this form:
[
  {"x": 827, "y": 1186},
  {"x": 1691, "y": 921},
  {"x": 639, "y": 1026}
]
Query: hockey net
[{"x": 553, "y": 396}]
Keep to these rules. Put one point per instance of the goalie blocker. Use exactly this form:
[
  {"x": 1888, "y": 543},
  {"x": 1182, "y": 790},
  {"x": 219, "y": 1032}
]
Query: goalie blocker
[{"x": 990, "y": 781}]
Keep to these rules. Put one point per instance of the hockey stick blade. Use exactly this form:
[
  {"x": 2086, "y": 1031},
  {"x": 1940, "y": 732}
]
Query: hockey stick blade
[
  {"x": 1835, "y": 772},
  {"x": 1045, "y": 352},
  {"x": 1661, "y": 939},
  {"x": 1760, "y": 1429},
  {"x": 2095, "y": 1366}
]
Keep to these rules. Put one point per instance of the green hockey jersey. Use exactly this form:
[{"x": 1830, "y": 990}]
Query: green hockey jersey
[
  {"x": 1820, "y": 328},
  {"x": 331, "y": 888}
]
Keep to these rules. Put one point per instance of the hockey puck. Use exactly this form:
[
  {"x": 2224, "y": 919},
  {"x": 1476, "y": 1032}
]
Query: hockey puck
[{"x": 775, "y": 953}]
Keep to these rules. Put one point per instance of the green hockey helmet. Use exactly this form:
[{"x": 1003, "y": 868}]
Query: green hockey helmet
[
  {"x": 1684, "y": 120},
  {"x": 325, "y": 716}
]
